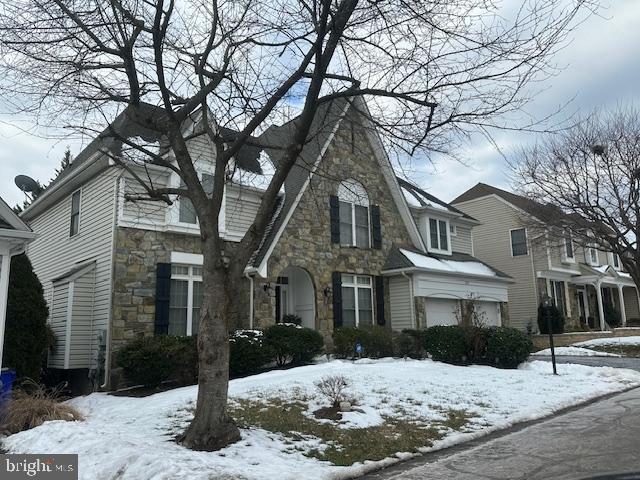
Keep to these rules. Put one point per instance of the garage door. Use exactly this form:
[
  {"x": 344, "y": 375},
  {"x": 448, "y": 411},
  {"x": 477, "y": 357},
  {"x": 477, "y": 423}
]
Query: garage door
[
  {"x": 489, "y": 313},
  {"x": 441, "y": 311}
]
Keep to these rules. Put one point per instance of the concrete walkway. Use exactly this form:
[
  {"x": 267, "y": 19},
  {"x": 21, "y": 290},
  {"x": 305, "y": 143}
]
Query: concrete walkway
[
  {"x": 616, "y": 362},
  {"x": 600, "y": 438}
]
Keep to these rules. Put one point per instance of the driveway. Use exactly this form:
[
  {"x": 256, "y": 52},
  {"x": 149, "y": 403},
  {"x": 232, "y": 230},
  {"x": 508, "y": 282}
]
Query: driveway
[
  {"x": 617, "y": 362},
  {"x": 600, "y": 438}
]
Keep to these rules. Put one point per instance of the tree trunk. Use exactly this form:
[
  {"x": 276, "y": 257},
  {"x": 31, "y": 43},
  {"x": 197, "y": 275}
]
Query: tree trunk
[{"x": 211, "y": 428}]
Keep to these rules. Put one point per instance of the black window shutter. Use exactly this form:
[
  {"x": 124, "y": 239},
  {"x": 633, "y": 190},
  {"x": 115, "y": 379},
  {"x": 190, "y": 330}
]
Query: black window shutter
[
  {"x": 336, "y": 278},
  {"x": 334, "y": 205},
  {"x": 163, "y": 290},
  {"x": 380, "y": 300},
  {"x": 376, "y": 232}
]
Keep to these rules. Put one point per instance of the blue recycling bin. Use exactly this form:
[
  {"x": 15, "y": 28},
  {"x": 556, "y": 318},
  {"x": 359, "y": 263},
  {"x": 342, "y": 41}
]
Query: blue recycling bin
[{"x": 7, "y": 378}]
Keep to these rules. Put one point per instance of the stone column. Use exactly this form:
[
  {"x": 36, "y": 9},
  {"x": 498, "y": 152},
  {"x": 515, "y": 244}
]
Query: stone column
[
  {"x": 598, "y": 286},
  {"x": 623, "y": 312}
]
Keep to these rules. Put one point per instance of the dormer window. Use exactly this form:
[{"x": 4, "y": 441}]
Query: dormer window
[
  {"x": 354, "y": 215},
  {"x": 569, "y": 255},
  {"x": 186, "y": 213},
  {"x": 438, "y": 233},
  {"x": 615, "y": 261},
  {"x": 591, "y": 254}
]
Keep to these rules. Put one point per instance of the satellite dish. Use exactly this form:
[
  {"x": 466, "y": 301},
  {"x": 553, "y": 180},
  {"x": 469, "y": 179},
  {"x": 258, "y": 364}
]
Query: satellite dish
[{"x": 26, "y": 184}]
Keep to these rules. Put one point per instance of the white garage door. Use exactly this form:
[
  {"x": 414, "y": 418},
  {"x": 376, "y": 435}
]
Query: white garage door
[
  {"x": 441, "y": 311},
  {"x": 489, "y": 313}
]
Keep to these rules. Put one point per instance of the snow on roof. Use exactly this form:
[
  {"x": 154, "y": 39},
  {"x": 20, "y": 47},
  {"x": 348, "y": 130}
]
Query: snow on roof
[
  {"x": 449, "y": 266},
  {"x": 256, "y": 180}
]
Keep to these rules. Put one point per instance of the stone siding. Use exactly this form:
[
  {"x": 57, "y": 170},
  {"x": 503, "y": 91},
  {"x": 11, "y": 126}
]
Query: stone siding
[{"x": 306, "y": 240}]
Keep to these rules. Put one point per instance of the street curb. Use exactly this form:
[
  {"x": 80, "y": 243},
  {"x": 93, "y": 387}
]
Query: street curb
[{"x": 433, "y": 456}]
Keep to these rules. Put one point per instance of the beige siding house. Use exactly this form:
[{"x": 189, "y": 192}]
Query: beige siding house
[{"x": 583, "y": 282}]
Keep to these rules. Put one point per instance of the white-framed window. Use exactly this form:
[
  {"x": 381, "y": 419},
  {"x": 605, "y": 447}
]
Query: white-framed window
[
  {"x": 438, "y": 233},
  {"x": 569, "y": 255},
  {"x": 355, "y": 230},
  {"x": 74, "y": 225},
  {"x": 357, "y": 300},
  {"x": 557, "y": 294},
  {"x": 519, "y": 242},
  {"x": 614, "y": 259},
  {"x": 453, "y": 230},
  {"x": 591, "y": 256},
  {"x": 185, "y": 299},
  {"x": 186, "y": 211}
]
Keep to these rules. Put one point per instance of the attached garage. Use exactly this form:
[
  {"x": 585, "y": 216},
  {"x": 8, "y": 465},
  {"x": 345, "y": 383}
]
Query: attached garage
[
  {"x": 441, "y": 311},
  {"x": 489, "y": 313}
]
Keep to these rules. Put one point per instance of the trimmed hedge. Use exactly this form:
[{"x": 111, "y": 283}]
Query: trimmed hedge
[
  {"x": 149, "y": 361},
  {"x": 408, "y": 343},
  {"x": 501, "y": 347},
  {"x": 447, "y": 343},
  {"x": 376, "y": 342},
  {"x": 247, "y": 352},
  {"x": 507, "y": 347},
  {"x": 292, "y": 344},
  {"x": 557, "y": 320}
]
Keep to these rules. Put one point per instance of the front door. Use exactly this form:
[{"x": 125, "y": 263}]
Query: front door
[{"x": 583, "y": 305}]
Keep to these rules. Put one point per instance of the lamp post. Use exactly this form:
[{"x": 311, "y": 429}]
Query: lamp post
[{"x": 547, "y": 306}]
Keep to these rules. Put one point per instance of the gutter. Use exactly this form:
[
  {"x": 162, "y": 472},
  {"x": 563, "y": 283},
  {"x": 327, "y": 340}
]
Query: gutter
[{"x": 401, "y": 271}]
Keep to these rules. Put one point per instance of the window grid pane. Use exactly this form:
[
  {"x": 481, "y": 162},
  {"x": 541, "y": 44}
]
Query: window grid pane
[
  {"x": 568, "y": 247},
  {"x": 444, "y": 241},
  {"x": 362, "y": 226},
  {"x": 433, "y": 233},
  {"x": 197, "y": 303},
  {"x": 518, "y": 242},
  {"x": 178, "y": 307},
  {"x": 346, "y": 224}
]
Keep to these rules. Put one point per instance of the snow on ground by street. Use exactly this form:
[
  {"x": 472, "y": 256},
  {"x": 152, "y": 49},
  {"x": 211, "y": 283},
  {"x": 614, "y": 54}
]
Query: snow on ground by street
[
  {"x": 575, "y": 352},
  {"x": 131, "y": 438},
  {"x": 598, "y": 342}
]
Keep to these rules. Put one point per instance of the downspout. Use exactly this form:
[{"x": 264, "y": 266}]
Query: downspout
[
  {"x": 413, "y": 303},
  {"x": 246, "y": 274}
]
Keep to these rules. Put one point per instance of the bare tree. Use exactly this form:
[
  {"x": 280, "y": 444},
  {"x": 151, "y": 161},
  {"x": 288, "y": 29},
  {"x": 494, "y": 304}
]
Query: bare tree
[
  {"x": 586, "y": 182},
  {"x": 146, "y": 68}
]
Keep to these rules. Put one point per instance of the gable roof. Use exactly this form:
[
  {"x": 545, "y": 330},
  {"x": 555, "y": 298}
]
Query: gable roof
[
  {"x": 9, "y": 220},
  {"x": 418, "y": 197}
]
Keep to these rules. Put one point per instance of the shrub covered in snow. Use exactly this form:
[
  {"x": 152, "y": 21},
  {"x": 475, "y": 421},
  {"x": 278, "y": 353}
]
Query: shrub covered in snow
[
  {"x": 447, "y": 343},
  {"x": 408, "y": 343},
  {"x": 507, "y": 347},
  {"x": 376, "y": 342},
  {"x": 557, "y": 320},
  {"x": 292, "y": 344},
  {"x": 248, "y": 352}
]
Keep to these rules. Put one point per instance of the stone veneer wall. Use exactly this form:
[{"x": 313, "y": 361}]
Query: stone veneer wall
[
  {"x": 137, "y": 252},
  {"x": 306, "y": 240}
]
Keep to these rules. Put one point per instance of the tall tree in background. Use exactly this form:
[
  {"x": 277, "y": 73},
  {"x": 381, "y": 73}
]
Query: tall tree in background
[
  {"x": 244, "y": 63},
  {"x": 590, "y": 173}
]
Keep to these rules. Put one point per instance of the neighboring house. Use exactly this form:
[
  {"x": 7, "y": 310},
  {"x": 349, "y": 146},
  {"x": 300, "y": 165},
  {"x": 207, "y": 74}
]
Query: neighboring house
[
  {"x": 583, "y": 282},
  {"x": 344, "y": 247},
  {"x": 14, "y": 237}
]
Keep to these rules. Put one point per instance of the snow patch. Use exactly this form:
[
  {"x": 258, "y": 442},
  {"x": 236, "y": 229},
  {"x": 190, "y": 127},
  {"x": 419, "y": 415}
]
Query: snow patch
[
  {"x": 575, "y": 352},
  {"x": 633, "y": 340},
  {"x": 451, "y": 266}
]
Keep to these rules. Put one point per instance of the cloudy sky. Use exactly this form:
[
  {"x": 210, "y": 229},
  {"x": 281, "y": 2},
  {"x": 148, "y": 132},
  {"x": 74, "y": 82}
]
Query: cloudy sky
[{"x": 601, "y": 69}]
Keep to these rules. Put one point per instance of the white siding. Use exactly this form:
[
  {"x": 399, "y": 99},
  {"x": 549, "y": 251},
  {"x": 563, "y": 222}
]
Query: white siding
[
  {"x": 54, "y": 253},
  {"x": 58, "y": 321},
  {"x": 242, "y": 205},
  {"x": 141, "y": 212},
  {"x": 461, "y": 242},
  {"x": 81, "y": 343},
  {"x": 400, "y": 303}
]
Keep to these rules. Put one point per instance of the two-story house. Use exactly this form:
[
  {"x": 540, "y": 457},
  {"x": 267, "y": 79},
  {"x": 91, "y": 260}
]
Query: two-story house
[
  {"x": 582, "y": 282},
  {"x": 343, "y": 247}
]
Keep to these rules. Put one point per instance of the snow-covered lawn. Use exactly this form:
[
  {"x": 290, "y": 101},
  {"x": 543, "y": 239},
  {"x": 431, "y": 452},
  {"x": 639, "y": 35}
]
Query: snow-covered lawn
[
  {"x": 132, "y": 438},
  {"x": 575, "y": 352},
  {"x": 609, "y": 341}
]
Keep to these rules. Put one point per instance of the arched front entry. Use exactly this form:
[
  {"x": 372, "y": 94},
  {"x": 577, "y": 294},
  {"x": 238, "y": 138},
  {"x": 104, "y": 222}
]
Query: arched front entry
[{"x": 295, "y": 295}]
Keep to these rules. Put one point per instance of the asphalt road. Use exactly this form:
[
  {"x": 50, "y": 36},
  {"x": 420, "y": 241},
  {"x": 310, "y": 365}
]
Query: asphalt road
[
  {"x": 617, "y": 362},
  {"x": 601, "y": 438}
]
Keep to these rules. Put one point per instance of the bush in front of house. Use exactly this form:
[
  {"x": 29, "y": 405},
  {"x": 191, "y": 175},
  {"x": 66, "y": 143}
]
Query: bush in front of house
[
  {"x": 557, "y": 320},
  {"x": 248, "y": 353},
  {"x": 447, "y": 343},
  {"x": 376, "y": 341},
  {"x": 292, "y": 344},
  {"x": 612, "y": 315},
  {"x": 507, "y": 347},
  {"x": 149, "y": 361},
  {"x": 27, "y": 336},
  {"x": 408, "y": 343}
]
